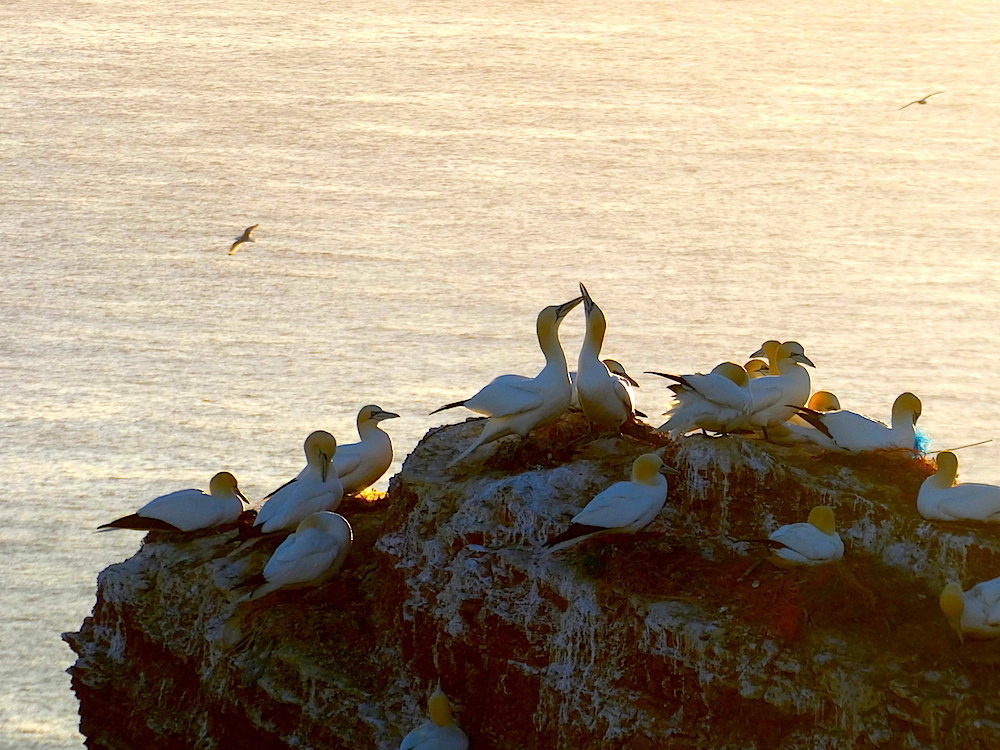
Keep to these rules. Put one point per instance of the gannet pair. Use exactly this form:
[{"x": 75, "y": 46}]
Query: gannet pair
[
  {"x": 607, "y": 400},
  {"x": 974, "y": 613},
  {"x": 812, "y": 543},
  {"x": 941, "y": 499},
  {"x": 360, "y": 465},
  {"x": 441, "y": 732},
  {"x": 624, "y": 507},
  {"x": 849, "y": 432},
  {"x": 245, "y": 237},
  {"x": 317, "y": 487},
  {"x": 516, "y": 404},
  {"x": 311, "y": 555},
  {"x": 189, "y": 510}
]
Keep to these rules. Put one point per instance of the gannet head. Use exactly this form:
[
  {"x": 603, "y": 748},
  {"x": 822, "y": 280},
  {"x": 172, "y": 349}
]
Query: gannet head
[
  {"x": 822, "y": 518},
  {"x": 647, "y": 466},
  {"x": 823, "y": 401},
  {"x": 617, "y": 368},
  {"x": 953, "y": 606},
  {"x": 907, "y": 405},
  {"x": 223, "y": 484},
  {"x": 439, "y": 708},
  {"x": 767, "y": 349},
  {"x": 793, "y": 350},
  {"x": 372, "y": 413},
  {"x": 320, "y": 447},
  {"x": 947, "y": 468},
  {"x": 330, "y": 523},
  {"x": 551, "y": 317},
  {"x": 732, "y": 371},
  {"x": 757, "y": 368},
  {"x": 596, "y": 323}
]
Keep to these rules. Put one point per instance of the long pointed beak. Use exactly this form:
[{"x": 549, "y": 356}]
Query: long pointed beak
[
  {"x": 629, "y": 379},
  {"x": 326, "y": 465},
  {"x": 664, "y": 469},
  {"x": 803, "y": 359},
  {"x": 588, "y": 303},
  {"x": 758, "y": 353},
  {"x": 387, "y": 415},
  {"x": 241, "y": 496},
  {"x": 564, "y": 308}
]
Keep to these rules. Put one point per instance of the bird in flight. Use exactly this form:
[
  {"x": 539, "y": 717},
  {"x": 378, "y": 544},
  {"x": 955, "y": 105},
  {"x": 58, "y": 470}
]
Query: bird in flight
[
  {"x": 922, "y": 101},
  {"x": 245, "y": 237}
]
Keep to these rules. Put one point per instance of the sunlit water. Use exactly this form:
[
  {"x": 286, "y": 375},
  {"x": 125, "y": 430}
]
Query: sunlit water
[{"x": 426, "y": 177}]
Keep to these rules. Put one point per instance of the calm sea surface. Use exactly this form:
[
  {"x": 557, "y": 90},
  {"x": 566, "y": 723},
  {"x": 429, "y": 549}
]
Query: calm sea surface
[{"x": 426, "y": 177}]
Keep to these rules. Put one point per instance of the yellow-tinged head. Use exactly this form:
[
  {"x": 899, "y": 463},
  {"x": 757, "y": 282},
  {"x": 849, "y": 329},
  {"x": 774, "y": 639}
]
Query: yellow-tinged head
[
  {"x": 224, "y": 483},
  {"x": 617, "y": 368},
  {"x": 552, "y": 315},
  {"x": 823, "y": 401},
  {"x": 372, "y": 413},
  {"x": 947, "y": 468},
  {"x": 439, "y": 708},
  {"x": 906, "y": 404},
  {"x": 767, "y": 349},
  {"x": 732, "y": 371},
  {"x": 793, "y": 350},
  {"x": 320, "y": 447},
  {"x": 756, "y": 368},
  {"x": 953, "y": 605},
  {"x": 647, "y": 466},
  {"x": 822, "y": 518}
]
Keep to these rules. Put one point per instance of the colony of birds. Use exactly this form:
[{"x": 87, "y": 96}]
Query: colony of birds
[{"x": 770, "y": 396}]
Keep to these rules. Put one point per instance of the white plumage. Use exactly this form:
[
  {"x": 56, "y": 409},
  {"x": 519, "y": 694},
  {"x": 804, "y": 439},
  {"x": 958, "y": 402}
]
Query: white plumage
[
  {"x": 849, "y": 432},
  {"x": 941, "y": 499},
  {"x": 516, "y": 404},
  {"x": 975, "y": 612},
  {"x": 360, "y": 465},
  {"x": 316, "y": 488},
  {"x": 789, "y": 378},
  {"x": 311, "y": 555},
  {"x": 604, "y": 398},
  {"x": 441, "y": 732},
  {"x": 812, "y": 543},
  {"x": 624, "y": 507},
  {"x": 189, "y": 510}
]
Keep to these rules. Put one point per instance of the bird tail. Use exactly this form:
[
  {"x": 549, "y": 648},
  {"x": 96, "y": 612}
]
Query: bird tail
[
  {"x": 813, "y": 417},
  {"x": 139, "y": 523},
  {"x": 449, "y": 406},
  {"x": 576, "y": 532}
]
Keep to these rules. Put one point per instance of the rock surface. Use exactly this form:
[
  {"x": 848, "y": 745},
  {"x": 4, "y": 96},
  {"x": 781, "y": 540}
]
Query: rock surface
[{"x": 678, "y": 637}]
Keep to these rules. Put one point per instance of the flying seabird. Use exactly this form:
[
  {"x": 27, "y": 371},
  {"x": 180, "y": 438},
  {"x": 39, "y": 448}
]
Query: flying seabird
[
  {"x": 921, "y": 101},
  {"x": 245, "y": 237}
]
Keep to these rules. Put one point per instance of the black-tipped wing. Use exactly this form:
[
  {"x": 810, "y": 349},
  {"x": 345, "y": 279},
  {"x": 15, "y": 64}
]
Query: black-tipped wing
[
  {"x": 573, "y": 532},
  {"x": 140, "y": 523},
  {"x": 813, "y": 417},
  {"x": 448, "y": 406}
]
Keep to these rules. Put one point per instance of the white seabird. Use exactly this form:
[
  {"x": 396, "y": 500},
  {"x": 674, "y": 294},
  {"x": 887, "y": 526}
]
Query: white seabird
[
  {"x": 624, "y": 507},
  {"x": 974, "y": 613},
  {"x": 757, "y": 368},
  {"x": 360, "y": 465},
  {"x": 245, "y": 237},
  {"x": 790, "y": 378},
  {"x": 617, "y": 369},
  {"x": 921, "y": 101},
  {"x": 311, "y": 555},
  {"x": 941, "y": 499},
  {"x": 812, "y": 543},
  {"x": 798, "y": 429},
  {"x": 769, "y": 351},
  {"x": 441, "y": 732},
  {"x": 720, "y": 401},
  {"x": 316, "y": 488},
  {"x": 516, "y": 404},
  {"x": 605, "y": 400},
  {"x": 853, "y": 433},
  {"x": 188, "y": 510}
]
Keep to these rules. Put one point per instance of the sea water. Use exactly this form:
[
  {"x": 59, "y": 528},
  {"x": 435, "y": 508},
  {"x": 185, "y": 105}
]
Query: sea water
[{"x": 427, "y": 177}]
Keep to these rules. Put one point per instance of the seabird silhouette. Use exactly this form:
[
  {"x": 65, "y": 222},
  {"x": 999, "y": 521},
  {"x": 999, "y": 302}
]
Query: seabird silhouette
[
  {"x": 245, "y": 237},
  {"x": 922, "y": 101}
]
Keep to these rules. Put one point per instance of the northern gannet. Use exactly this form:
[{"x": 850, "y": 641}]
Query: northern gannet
[
  {"x": 624, "y": 507},
  {"x": 245, "y": 237},
  {"x": 605, "y": 400},
  {"x": 516, "y": 404},
  {"x": 311, "y": 555},
  {"x": 768, "y": 350},
  {"x": 798, "y": 429},
  {"x": 617, "y": 369},
  {"x": 974, "y": 613},
  {"x": 812, "y": 543},
  {"x": 853, "y": 433},
  {"x": 189, "y": 510},
  {"x": 720, "y": 401},
  {"x": 316, "y": 488},
  {"x": 441, "y": 732},
  {"x": 757, "y": 368},
  {"x": 360, "y": 465},
  {"x": 921, "y": 101},
  {"x": 790, "y": 378},
  {"x": 943, "y": 500}
]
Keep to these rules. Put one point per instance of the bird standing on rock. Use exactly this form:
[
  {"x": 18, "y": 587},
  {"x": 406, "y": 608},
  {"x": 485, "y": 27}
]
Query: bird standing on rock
[
  {"x": 516, "y": 404},
  {"x": 360, "y": 465}
]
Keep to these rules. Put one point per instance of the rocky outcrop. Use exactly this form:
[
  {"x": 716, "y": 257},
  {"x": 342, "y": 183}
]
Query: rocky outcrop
[{"x": 678, "y": 637}]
